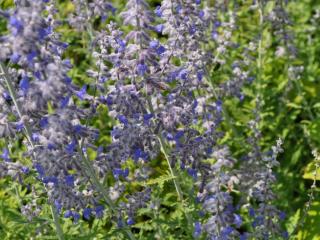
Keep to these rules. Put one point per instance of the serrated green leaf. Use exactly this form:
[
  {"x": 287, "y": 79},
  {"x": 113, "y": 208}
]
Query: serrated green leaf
[{"x": 160, "y": 180}]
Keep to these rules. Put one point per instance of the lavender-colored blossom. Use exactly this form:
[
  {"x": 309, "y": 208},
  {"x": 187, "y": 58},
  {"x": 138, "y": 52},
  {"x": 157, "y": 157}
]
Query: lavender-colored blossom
[
  {"x": 39, "y": 80},
  {"x": 165, "y": 104},
  {"x": 86, "y": 12}
]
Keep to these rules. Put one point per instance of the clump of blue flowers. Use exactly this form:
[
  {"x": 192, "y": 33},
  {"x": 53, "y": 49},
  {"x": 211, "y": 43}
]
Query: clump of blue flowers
[{"x": 156, "y": 81}]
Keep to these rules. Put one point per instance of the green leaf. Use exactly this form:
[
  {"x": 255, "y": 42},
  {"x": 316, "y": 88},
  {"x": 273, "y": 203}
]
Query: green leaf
[
  {"x": 317, "y": 105},
  {"x": 309, "y": 170},
  {"x": 160, "y": 180},
  {"x": 294, "y": 105},
  {"x": 296, "y": 155}
]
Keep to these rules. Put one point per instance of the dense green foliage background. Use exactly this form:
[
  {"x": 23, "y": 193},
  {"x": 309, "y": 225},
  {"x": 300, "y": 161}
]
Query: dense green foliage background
[{"x": 291, "y": 110}]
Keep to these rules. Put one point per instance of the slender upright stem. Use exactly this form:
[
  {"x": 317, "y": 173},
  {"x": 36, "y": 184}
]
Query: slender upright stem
[
  {"x": 15, "y": 102},
  {"x": 305, "y": 103},
  {"x": 165, "y": 152},
  {"x": 5, "y": 76},
  {"x": 93, "y": 178},
  {"x": 95, "y": 181},
  {"x": 56, "y": 222},
  {"x": 88, "y": 23},
  {"x": 224, "y": 110},
  {"x": 166, "y": 155},
  {"x": 311, "y": 196},
  {"x": 260, "y": 55},
  {"x": 173, "y": 174}
]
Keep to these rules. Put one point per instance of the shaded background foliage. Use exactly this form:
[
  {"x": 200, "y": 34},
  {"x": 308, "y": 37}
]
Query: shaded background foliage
[{"x": 291, "y": 111}]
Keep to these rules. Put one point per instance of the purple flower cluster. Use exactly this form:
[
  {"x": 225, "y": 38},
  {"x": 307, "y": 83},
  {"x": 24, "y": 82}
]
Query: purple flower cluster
[
  {"x": 39, "y": 103},
  {"x": 156, "y": 81}
]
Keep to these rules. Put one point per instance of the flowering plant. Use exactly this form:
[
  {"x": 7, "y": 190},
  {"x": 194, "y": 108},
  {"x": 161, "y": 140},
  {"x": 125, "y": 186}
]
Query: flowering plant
[{"x": 126, "y": 116}]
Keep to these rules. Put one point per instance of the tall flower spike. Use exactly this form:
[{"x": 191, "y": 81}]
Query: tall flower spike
[
  {"x": 258, "y": 183},
  {"x": 133, "y": 137},
  {"x": 86, "y": 12},
  {"x": 149, "y": 111},
  {"x": 40, "y": 79},
  {"x": 223, "y": 221},
  {"x": 267, "y": 219}
]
